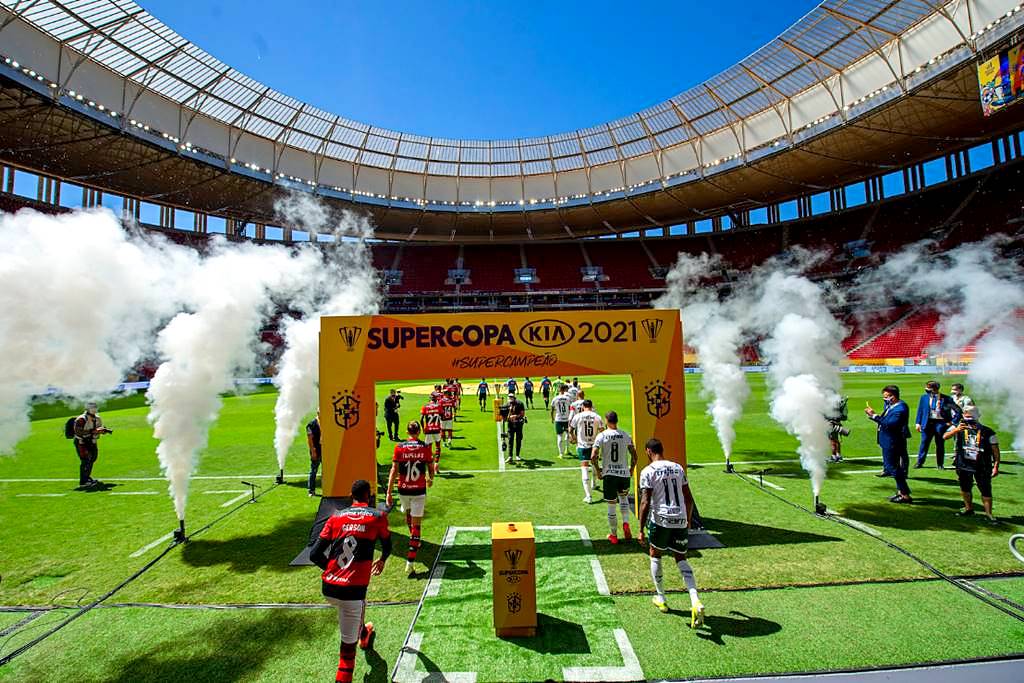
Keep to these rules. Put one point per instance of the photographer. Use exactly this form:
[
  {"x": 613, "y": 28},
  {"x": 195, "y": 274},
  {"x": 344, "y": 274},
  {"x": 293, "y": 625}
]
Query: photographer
[
  {"x": 391, "y": 405},
  {"x": 836, "y": 430},
  {"x": 516, "y": 419},
  {"x": 88, "y": 428},
  {"x": 976, "y": 460}
]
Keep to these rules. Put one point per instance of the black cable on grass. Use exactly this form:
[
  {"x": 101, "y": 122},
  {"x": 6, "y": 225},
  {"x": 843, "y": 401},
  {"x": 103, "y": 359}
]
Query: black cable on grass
[
  {"x": 149, "y": 565},
  {"x": 419, "y": 606},
  {"x": 927, "y": 565}
]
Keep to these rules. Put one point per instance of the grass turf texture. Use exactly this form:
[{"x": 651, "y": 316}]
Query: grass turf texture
[{"x": 243, "y": 559}]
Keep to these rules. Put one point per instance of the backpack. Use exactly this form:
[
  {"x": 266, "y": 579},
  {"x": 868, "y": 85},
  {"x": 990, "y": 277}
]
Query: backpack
[{"x": 69, "y": 427}]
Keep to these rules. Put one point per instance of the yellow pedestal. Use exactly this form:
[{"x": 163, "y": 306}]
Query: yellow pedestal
[{"x": 513, "y": 557}]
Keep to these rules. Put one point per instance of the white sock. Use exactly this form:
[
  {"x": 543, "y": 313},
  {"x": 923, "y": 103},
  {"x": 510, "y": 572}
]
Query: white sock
[
  {"x": 586, "y": 480},
  {"x": 624, "y": 506},
  {"x": 560, "y": 440},
  {"x": 613, "y": 523},
  {"x": 656, "y": 575},
  {"x": 691, "y": 583}
]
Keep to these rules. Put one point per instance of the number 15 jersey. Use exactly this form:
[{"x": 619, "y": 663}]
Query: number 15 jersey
[{"x": 665, "y": 479}]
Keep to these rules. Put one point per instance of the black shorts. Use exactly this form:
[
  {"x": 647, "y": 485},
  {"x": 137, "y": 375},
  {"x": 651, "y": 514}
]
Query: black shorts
[
  {"x": 612, "y": 486},
  {"x": 982, "y": 478}
]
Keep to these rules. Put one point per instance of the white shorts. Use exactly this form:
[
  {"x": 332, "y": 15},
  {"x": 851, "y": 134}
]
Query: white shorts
[
  {"x": 350, "y": 618},
  {"x": 414, "y": 505},
  {"x": 448, "y": 424},
  {"x": 431, "y": 439}
]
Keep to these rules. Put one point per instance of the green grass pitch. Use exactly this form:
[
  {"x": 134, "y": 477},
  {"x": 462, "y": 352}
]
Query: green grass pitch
[{"x": 789, "y": 592}]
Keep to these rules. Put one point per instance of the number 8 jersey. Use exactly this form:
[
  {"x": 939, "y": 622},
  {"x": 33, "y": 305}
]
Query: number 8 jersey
[
  {"x": 613, "y": 445},
  {"x": 665, "y": 480}
]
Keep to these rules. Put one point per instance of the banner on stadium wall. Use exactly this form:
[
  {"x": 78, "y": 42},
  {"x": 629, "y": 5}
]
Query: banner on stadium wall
[
  {"x": 356, "y": 352},
  {"x": 1001, "y": 80}
]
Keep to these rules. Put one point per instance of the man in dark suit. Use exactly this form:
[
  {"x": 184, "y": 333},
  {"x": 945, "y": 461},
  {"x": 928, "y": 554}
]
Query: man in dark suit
[
  {"x": 893, "y": 433},
  {"x": 935, "y": 413}
]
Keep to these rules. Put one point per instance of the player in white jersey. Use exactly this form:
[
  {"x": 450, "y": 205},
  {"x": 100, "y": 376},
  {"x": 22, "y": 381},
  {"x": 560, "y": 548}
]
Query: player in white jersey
[
  {"x": 560, "y": 416},
  {"x": 583, "y": 429},
  {"x": 614, "y": 470},
  {"x": 577, "y": 405},
  {"x": 665, "y": 508},
  {"x": 573, "y": 389}
]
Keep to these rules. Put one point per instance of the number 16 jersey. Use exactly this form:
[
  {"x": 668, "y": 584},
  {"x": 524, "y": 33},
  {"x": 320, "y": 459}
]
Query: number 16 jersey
[
  {"x": 413, "y": 458},
  {"x": 665, "y": 479}
]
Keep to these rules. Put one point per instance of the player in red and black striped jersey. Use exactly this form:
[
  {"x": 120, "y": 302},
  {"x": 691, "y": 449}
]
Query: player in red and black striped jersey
[
  {"x": 412, "y": 468},
  {"x": 447, "y": 404},
  {"x": 431, "y": 417},
  {"x": 437, "y": 393},
  {"x": 344, "y": 550}
]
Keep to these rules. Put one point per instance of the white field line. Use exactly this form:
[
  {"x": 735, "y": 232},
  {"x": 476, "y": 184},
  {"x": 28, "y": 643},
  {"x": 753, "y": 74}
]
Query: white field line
[
  {"x": 134, "y": 493},
  {"x": 434, "y": 583},
  {"x": 223, "y": 491},
  {"x": 405, "y": 671},
  {"x": 235, "y": 500},
  {"x": 149, "y": 546},
  {"x": 759, "y": 481},
  {"x": 629, "y": 671},
  {"x": 854, "y": 523},
  {"x": 602, "y": 583},
  {"x": 40, "y": 495},
  {"x": 303, "y": 475}
]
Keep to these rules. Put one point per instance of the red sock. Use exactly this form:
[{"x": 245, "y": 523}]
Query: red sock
[
  {"x": 414, "y": 542},
  {"x": 346, "y": 663}
]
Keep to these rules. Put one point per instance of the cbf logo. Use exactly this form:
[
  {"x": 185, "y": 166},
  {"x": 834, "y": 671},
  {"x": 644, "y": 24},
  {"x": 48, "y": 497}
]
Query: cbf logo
[
  {"x": 346, "y": 409},
  {"x": 350, "y": 335},
  {"x": 515, "y": 602},
  {"x": 651, "y": 327},
  {"x": 659, "y": 399}
]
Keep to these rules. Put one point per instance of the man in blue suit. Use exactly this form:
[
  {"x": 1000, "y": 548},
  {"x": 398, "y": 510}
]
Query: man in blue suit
[
  {"x": 935, "y": 413},
  {"x": 893, "y": 433}
]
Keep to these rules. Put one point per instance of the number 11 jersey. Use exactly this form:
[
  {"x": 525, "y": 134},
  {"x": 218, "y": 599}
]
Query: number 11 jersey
[{"x": 665, "y": 479}]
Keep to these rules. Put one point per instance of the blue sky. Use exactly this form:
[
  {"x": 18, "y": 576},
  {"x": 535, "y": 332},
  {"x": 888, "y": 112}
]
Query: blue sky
[{"x": 476, "y": 69}]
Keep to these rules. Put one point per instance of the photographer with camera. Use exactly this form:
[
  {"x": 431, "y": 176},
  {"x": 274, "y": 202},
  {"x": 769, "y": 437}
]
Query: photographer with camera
[
  {"x": 515, "y": 420},
  {"x": 836, "y": 430},
  {"x": 391, "y": 405},
  {"x": 87, "y": 430}
]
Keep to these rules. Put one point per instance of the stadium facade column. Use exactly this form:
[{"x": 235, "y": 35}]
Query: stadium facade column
[{"x": 357, "y": 352}]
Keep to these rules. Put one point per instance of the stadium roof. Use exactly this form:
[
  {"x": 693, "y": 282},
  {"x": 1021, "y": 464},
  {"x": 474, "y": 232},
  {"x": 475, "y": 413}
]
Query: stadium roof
[{"x": 842, "y": 60}]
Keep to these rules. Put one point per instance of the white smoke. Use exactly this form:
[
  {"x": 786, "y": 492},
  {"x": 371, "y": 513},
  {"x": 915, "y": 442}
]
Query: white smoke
[
  {"x": 204, "y": 349},
  {"x": 81, "y": 302},
  {"x": 715, "y": 331},
  {"x": 347, "y": 286},
  {"x": 978, "y": 292},
  {"x": 803, "y": 349}
]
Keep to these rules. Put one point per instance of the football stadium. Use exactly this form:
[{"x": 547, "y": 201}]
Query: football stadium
[{"x": 731, "y": 387}]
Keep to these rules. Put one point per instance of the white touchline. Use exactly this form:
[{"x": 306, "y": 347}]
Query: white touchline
[
  {"x": 40, "y": 495},
  {"x": 405, "y": 671},
  {"x": 222, "y": 491},
  {"x": 629, "y": 671},
  {"x": 303, "y": 475},
  {"x": 235, "y": 500},
  {"x": 149, "y": 546},
  {"x": 854, "y": 523},
  {"x": 134, "y": 493},
  {"x": 759, "y": 480}
]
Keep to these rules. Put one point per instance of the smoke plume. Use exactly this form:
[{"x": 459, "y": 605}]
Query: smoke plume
[
  {"x": 803, "y": 349},
  {"x": 81, "y": 302},
  {"x": 714, "y": 329},
  {"x": 978, "y": 292},
  {"x": 204, "y": 349},
  {"x": 347, "y": 285}
]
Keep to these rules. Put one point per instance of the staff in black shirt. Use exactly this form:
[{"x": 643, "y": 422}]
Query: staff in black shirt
[
  {"x": 391, "y": 405},
  {"x": 315, "y": 452},
  {"x": 516, "y": 420},
  {"x": 976, "y": 460}
]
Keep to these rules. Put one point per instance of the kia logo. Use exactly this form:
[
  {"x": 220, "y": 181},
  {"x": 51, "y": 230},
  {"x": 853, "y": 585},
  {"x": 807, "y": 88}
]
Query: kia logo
[{"x": 547, "y": 334}]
